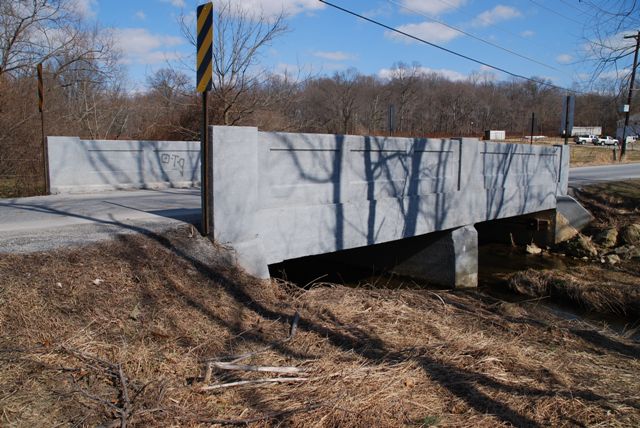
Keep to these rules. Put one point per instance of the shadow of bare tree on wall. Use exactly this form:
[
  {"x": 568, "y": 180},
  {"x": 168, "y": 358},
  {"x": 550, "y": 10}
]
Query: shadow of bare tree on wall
[
  {"x": 80, "y": 165},
  {"x": 515, "y": 177},
  {"x": 377, "y": 189}
]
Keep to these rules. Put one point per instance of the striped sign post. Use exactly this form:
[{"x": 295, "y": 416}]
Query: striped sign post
[
  {"x": 45, "y": 154},
  {"x": 203, "y": 85}
]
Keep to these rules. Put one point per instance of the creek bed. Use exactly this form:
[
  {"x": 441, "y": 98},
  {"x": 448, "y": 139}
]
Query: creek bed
[{"x": 496, "y": 263}]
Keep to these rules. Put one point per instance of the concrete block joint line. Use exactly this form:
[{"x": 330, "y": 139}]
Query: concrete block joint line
[{"x": 281, "y": 196}]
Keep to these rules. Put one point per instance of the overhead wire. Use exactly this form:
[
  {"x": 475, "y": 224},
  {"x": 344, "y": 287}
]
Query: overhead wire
[
  {"x": 556, "y": 12},
  {"x": 473, "y": 36},
  {"x": 485, "y": 20},
  {"x": 460, "y": 55},
  {"x": 580, "y": 10}
]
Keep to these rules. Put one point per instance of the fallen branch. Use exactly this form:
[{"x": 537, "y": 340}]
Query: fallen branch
[
  {"x": 126, "y": 403},
  {"x": 250, "y": 368},
  {"x": 253, "y": 382}
]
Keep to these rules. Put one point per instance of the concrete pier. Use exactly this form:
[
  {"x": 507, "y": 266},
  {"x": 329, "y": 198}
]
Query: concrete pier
[{"x": 451, "y": 261}]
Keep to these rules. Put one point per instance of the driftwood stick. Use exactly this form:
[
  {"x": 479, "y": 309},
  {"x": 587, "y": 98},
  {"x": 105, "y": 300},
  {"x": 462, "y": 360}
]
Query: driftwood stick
[
  {"x": 237, "y": 358},
  {"x": 250, "y": 368},
  {"x": 294, "y": 326},
  {"x": 253, "y": 382},
  {"x": 208, "y": 372}
]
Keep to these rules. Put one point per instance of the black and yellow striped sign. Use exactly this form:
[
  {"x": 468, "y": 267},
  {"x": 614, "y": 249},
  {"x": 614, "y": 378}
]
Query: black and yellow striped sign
[
  {"x": 205, "y": 40},
  {"x": 40, "y": 89}
]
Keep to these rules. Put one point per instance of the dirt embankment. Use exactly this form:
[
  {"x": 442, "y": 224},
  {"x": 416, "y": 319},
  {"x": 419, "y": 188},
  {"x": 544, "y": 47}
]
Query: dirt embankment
[
  {"x": 116, "y": 333},
  {"x": 609, "y": 280}
]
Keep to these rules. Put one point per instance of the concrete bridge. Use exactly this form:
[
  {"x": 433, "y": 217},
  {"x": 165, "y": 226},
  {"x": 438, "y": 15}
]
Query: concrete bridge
[
  {"x": 418, "y": 203},
  {"x": 280, "y": 196}
]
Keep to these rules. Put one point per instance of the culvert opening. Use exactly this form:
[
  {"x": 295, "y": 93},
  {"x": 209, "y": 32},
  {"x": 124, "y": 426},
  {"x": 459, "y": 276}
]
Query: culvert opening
[{"x": 364, "y": 266}]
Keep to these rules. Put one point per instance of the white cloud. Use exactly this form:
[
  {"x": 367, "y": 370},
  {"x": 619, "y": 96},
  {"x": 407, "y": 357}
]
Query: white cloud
[
  {"x": 432, "y": 7},
  {"x": 390, "y": 73},
  {"x": 141, "y": 15},
  {"x": 615, "y": 74},
  {"x": 334, "y": 55},
  {"x": 176, "y": 3},
  {"x": 497, "y": 14},
  {"x": 293, "y": 72},
  {"x": 429, "y": 31},
  {"x": 528, "y": 33},
  {"x": 140, "y": 46},
  {"x": 564, "y": 58},
  {"x": 271, "y": 8},
  {"x": 83, "y": 8},
  {"x": 615, "y": 42}
]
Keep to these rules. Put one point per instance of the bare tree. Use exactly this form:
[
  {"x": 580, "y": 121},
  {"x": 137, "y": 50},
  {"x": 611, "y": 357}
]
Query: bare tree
[
  {"x": 239, "y": 38},
  {"x": 33, "y": 31},
  {"x": 606, "y": 49}
]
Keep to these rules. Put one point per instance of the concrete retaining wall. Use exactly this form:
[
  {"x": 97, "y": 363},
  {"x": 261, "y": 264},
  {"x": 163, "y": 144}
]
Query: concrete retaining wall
[
  {"x": 77, "y": 165},
  {"x": 279, "y": 196}
]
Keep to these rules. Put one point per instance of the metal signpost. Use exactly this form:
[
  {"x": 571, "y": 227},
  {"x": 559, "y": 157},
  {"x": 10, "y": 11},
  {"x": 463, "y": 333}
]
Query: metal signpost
[
  {"x": 204, "y": 80},
  {"x": 568, "y": 109},
  {"x": 533, "y": 121},
  {"x": 391, "y": 119},
  {"x": 45, "y": 154}
]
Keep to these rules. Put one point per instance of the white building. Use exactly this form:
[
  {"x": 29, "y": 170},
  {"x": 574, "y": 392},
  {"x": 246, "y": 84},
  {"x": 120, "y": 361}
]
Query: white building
[{"x": 632, "y": 130}]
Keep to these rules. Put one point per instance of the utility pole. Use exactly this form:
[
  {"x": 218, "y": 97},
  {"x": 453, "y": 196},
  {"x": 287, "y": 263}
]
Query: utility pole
[{"x": 628, "y": 105}]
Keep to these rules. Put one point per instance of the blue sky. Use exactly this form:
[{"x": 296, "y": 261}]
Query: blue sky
[{"x": 323, "y": 40}]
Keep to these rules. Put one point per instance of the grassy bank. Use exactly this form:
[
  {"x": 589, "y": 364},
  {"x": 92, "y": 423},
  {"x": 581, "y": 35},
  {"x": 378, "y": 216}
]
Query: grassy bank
[
  {"x": 597, "y": 285},
  {"x": 118, "y": 331}
]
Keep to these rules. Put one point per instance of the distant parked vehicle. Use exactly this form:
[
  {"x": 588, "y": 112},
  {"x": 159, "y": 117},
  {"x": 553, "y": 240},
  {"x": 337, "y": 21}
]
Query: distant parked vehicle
[
  {"x": 582, "y": 139},
  {"x": 606, "y": 141}
]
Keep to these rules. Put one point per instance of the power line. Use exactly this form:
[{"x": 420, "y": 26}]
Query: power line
[
  {"x": 473, "y": 36},
  {"x": 556, "y": 12},
  {"x": 574, "y": 7},
  {"x": 486, "y": 20},
  {"x": 411, "y": 36}
]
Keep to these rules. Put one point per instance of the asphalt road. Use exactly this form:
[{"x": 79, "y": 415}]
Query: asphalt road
[
  {"x": 594, "y": 174},
  {"x": 46, "y": 222}
]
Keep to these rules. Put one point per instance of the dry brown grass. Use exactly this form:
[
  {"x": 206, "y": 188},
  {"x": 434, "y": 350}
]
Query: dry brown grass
[
  {"x": 374, "y": 357},
  {"x": 613, "y": 204},
  {"x": 595, "y": 288}
]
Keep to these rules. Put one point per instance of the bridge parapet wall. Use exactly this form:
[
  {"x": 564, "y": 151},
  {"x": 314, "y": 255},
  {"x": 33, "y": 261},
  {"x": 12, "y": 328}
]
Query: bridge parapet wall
[
  {"x": 77, "y": 166},
  {"x": 279, "y": 196}
]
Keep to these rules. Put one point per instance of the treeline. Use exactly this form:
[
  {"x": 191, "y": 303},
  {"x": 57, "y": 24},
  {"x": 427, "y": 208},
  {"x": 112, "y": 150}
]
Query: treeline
[
  {"x": 85, "y": 95},
  {"x": 346, "y": 102}
]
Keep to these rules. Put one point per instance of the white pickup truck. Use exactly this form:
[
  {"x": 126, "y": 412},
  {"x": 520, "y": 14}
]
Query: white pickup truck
[
  {"x": 583, "y": 139},
  {"x": 606, "y": 141}
]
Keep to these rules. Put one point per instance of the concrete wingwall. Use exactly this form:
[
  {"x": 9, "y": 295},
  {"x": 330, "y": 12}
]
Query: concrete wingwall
[
  {"x": 77, "y": 165},
  {"x": 279, "y": 196}
]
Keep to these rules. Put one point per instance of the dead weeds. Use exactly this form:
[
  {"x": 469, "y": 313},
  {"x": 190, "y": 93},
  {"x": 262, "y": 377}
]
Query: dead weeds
[{"x": 372, "y": 357}]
